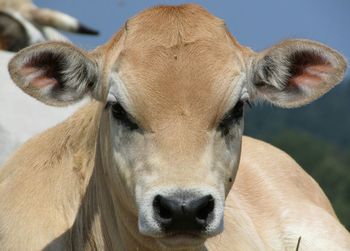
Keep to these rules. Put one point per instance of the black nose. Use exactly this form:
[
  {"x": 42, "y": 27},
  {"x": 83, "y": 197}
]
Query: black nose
[{"x": 183, "y": 213}]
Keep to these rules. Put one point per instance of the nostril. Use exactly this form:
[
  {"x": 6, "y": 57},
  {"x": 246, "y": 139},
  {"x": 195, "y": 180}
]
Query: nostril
[
  {"x": 161, "y": 208},
  {"x": 183, "y": 212},
  {"x": 205, "y": 208}
]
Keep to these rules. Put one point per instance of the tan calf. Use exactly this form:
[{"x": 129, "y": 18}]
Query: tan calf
[{"x": 152, "y": 162}]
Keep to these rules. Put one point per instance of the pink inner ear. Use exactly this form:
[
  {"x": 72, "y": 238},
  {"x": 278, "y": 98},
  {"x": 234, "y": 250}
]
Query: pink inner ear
[
  {"x": 309, "y": 69},
  {"x": 312, "y": 75},
  {"x": 37, "y": 78},
  {"x": 41, "y": 82}
]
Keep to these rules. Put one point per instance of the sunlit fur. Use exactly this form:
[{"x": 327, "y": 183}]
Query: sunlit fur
[{"x": 88, "y": 183}]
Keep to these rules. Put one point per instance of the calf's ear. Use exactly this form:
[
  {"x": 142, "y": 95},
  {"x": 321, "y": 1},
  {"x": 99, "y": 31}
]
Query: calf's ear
[
  {"x": 55, "y": 73},
  {"x": 296, "y": 72}
]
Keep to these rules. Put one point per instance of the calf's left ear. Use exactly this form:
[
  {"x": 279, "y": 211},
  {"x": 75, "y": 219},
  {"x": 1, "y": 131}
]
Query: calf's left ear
[
  {"x": 55, "y": 73},
  {"x": 295, "y": 72}
]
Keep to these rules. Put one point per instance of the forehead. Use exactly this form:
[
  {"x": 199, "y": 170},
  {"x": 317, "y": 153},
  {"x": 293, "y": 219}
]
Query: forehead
[{"x": 179, "y": 63}]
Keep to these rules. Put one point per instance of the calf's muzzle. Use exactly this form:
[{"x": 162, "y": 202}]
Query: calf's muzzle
[{"x": 183, "y": 214}]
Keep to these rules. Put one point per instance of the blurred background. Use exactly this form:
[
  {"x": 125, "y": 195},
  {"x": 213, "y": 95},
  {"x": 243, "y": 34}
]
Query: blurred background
[{"x": 317, "y": 136}]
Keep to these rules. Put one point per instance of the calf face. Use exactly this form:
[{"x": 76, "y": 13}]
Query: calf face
[{"x": 172, "y": 124}]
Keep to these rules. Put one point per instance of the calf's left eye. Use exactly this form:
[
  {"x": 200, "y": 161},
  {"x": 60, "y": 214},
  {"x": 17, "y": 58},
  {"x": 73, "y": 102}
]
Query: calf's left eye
[{"x": 232, "y": 117}]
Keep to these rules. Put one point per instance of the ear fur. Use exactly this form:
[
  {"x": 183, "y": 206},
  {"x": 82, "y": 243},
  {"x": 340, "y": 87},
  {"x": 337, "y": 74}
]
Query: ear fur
[
  {"x": 55, "y": 73},
  {"x": 296, "y": 72}
]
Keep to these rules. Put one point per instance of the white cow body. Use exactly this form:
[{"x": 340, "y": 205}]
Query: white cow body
[{"x": 23, "y": 24}]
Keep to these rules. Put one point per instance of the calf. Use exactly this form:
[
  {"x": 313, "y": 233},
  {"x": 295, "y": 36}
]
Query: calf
[{"x": 157, "y": 160}]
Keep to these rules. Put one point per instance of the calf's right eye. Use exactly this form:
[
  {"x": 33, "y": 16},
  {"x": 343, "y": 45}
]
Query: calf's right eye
[{"x": 126, "y": 120}]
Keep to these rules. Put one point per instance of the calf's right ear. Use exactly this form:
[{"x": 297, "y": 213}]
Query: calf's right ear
[{"x": 55, "y": 73}]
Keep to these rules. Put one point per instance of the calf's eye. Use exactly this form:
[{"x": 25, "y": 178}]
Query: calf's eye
[
  {"x": 119, "y": 113},
  {"x": 232, "y": 117}
]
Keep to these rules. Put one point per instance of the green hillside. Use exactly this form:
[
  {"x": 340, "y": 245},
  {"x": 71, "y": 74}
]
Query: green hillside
[{"x": 317, "y": 137}]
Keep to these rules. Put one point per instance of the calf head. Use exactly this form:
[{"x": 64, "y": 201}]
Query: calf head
[{"x": 172, "y": 123}]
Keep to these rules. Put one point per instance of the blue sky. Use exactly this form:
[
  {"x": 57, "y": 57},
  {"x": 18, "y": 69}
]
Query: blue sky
[{"x": 255, "y": 23}]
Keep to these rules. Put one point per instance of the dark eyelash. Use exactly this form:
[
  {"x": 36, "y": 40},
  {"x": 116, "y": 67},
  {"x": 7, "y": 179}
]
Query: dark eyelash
[
  {"x": 249, "y": 104},
  {"x": 232, "y": 117},
  {"x": 123, "y": 117}
]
